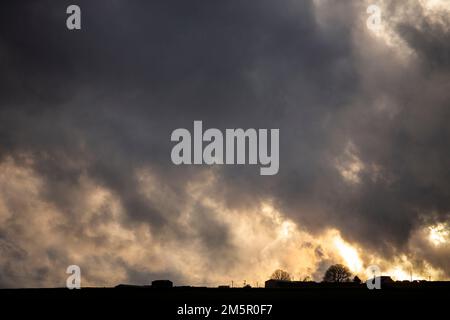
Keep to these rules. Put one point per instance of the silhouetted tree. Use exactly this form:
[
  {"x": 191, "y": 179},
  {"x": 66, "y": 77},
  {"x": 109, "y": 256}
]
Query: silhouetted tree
[
  {"x": 337, "y": 273},
  {"x": 280, "y": 275},
  {"x": 356, "y": 279}
]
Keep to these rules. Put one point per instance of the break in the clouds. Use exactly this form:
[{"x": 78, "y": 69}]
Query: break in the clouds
[{"x": 86, "y": 116}]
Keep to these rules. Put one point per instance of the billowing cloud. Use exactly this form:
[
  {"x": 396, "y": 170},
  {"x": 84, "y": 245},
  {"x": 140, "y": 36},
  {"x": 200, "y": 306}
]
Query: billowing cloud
[{"x": 86, "y": 116}]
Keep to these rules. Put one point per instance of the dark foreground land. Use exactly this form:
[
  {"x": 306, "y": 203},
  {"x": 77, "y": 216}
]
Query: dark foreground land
[{"x": 286, "y": 303}]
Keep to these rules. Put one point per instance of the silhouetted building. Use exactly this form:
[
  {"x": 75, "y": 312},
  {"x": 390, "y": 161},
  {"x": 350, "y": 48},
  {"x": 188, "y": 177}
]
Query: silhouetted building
[
  {"x": 162, "y": 284},
  {"x": 277, "y": 283},
  {"x": 289, "y": 284},
  {"x": 385, "y": 281},
  {"x": 280, "y": 284}
]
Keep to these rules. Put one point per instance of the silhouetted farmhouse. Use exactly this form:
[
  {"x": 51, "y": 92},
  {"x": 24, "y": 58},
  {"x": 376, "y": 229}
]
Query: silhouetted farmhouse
[
  {"x": 290, "y": 284},
  {"x": 162, "y": 284},
  {"x": 386, "y": 281}
]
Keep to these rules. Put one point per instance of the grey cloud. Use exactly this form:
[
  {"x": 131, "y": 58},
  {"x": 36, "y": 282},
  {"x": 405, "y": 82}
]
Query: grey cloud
[{"x": 102, "y": 102}]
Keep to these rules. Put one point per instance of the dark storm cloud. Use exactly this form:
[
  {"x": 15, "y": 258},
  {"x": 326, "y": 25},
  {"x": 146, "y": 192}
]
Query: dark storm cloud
[
  {"x": 431, "y": 42},
  {"x": 103, "y": 101}
]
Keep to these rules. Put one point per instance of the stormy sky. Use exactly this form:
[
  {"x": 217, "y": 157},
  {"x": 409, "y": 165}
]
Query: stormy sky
[{"x": 86, "y": 117}]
